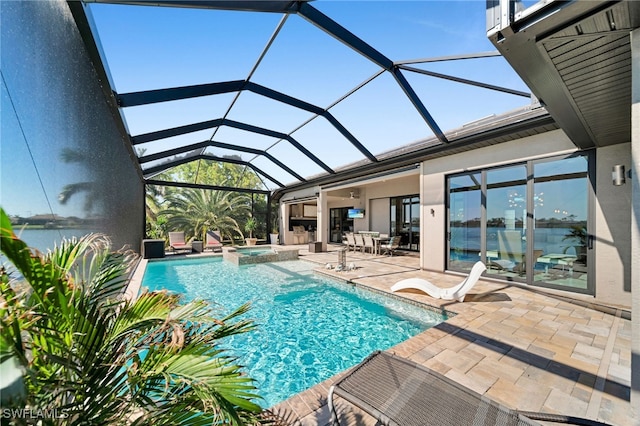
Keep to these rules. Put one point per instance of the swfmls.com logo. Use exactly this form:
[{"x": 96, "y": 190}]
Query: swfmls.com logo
[{"x": 32, "y": 413}]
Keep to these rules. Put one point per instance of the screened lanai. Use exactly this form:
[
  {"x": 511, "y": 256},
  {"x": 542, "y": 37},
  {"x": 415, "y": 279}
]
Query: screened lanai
[{"x": 295, "y": 91}]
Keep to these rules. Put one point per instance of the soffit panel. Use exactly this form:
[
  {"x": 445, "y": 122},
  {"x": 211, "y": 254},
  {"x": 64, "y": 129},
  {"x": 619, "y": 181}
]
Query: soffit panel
[
  {"x": 596, "y": 71},
  {"x": 579, "y": 66}
]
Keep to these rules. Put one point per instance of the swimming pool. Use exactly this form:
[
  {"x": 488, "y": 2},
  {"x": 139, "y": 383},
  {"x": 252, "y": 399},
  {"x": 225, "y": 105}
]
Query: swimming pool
[
  {"x": 254, "y": 251},
  {"x": 309, "y": 328}
]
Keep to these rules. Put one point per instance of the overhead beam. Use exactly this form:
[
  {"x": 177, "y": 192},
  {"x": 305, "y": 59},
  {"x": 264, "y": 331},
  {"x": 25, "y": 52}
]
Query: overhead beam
[
  {"x": 490, "y": 54},
  {"x": 177, "y": 93},
  {"x": 273, "y": 6},
  {"x": 417, "y": 103},
  {"x": 186, "y": 92},
  {"x": 279, "y": 135},
  {"x": 242, "y": 163},
  {"x": 466, "y": 81},
  {"x": 175, "y": 131},
  {"x": 169, "y": 164},
  {"x": 343, "y": 35},
  {"x": 209, "y": 187},
  {"x": 173, "y": 152},
  {"x": 205, "y": 144},
  {"x": 258, "y": 152},
  {"x": 188, "y": 159},
  {"x": 181, "y": 130},
  {"x": 337, "y": 31}
]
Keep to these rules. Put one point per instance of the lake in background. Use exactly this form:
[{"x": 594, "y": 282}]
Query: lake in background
[{"x": 46, "y": 239}]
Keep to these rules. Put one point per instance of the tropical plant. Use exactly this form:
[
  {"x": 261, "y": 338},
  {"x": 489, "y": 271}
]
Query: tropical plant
[
  {"x": 195, "y": 211},
  {"x": 96, "y": 358},
  {"x": 250, "y": 225}
]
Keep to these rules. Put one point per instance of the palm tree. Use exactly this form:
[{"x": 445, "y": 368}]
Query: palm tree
[
  {"x": 97, "y": 358},
  {"x": 197, "y": 210}
]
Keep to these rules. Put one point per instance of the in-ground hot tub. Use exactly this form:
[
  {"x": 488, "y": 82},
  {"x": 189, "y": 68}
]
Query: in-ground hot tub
[{"x": 260, "y": 254}]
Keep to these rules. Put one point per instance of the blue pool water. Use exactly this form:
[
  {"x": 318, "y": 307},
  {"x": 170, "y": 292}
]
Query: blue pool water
[
  {"x": 254, "y": 252},
  {"x": 309, "y": 328}
]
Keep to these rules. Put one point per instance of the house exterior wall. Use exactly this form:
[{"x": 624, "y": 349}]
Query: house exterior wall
[
  {"x": 612, "y": 206},
  {"x": 613, "y": 219},
  {"x": 373, "y": 197},
  {"x": 635, "y": 221},
  {"x": 62, "y": 152},
  {"x": 434, "y": 191}
]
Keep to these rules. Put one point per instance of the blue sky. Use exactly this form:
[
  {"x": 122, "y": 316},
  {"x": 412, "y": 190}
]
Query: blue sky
[{"x": 156, "y": 47}]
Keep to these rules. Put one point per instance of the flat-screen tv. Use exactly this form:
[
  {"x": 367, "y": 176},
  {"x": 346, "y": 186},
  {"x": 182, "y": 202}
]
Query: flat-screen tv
[{"x": 355, "y": 214}]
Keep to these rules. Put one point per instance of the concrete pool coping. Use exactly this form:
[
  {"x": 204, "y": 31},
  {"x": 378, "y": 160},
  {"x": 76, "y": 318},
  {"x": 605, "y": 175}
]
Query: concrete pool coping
[{"x": 523, "y": 348}]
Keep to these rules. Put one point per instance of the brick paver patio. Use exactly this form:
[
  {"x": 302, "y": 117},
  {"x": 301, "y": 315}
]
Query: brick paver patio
[{"x": 525, "y": 349}]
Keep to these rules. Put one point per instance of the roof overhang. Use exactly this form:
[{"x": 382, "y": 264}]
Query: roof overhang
[{"x": 576, "y": 58}]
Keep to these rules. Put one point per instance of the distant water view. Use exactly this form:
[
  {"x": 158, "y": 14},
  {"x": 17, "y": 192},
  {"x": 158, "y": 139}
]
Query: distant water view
[{"x": 45, "y": 239}]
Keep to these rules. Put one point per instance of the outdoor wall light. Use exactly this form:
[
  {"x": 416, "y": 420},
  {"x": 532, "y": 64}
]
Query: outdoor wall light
[{"x": 617, "y": 175}]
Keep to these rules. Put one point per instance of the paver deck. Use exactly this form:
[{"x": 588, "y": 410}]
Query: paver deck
[{"x": 521, "y": 347}]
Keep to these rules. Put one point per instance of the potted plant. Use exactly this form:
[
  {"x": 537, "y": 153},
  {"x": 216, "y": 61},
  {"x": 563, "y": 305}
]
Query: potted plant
[
  {"x": 273, "y": 236},
  {"x": 251, "y": 226},
  {"x": 578, "y": 236}
]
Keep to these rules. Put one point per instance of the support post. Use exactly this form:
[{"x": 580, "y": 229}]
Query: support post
[
  {"x": 635, "y": 222},
  {"x": 322, "y": 231}
]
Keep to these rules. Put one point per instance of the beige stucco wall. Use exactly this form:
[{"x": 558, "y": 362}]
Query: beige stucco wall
[
  {"x": 381, "y": 189},
  {"x": 612, "y": 222}
]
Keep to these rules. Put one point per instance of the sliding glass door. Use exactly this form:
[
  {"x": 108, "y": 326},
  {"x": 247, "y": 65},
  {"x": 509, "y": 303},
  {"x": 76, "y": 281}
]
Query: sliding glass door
[
  {"x": 405, "y": 221},
  {"x": 563, "y": 243},
  {"x": 339, "y": 224},
  {"x": 528, "y": 222},
  {"x": 464, "y": 233},
  {"x": 506, "y": 221}
]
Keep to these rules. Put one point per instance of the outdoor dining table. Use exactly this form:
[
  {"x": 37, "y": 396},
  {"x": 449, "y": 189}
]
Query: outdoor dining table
[{"x": 378, "y": 242}]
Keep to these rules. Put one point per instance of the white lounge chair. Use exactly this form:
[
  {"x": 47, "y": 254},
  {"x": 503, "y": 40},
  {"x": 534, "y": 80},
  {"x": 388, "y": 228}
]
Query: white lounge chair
[{"x": 453, "y": 293}]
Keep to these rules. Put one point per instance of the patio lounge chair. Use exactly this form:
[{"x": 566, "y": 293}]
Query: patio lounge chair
[
  {"x": 214, "y": 241},
  {"x": 453, "y": 293},
  {"x": 176, "y": 242},
  {"x": 399, "y": 392}
]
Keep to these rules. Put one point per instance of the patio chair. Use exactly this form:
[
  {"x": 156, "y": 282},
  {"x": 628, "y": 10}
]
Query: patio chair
[
  {"x": 369, "y": 244},
  {"x": 176, "y": 242},
  {"x": 359, "y": 242},
  {"x": 400, "y": 392},
  {"x": 214, "y": 241},
  {"x": 351, "y": 241},
  {"x": 452, "y": 293},
  {"x": 393, "y": 245}
]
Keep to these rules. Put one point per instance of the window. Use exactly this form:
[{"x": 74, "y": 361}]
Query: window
[{"x": 528, "y": 222}]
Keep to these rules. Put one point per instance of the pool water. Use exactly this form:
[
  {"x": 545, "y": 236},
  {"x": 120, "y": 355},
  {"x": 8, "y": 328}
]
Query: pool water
[
  {"x": 254, "y": 252},
  {"x": 309, "y": 328}
]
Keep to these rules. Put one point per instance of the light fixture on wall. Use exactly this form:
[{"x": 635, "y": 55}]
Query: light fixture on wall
[
  {"x": 354, "y": 195},
  {"x": 618, "y": 175}
]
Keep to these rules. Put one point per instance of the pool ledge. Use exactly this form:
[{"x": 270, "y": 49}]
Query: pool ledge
[{"x": 267, "y": 254}]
